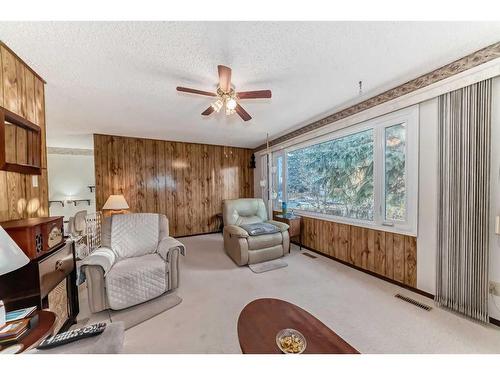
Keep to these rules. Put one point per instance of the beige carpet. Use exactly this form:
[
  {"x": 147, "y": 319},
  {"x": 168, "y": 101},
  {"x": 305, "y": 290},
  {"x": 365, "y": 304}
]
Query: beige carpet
[{"x": 360, "y": 308}]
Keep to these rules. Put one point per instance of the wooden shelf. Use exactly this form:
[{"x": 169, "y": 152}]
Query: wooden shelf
[
  {"x": 61, "y": 202},
  {"x": 75, "y": 201},
  {"x": 72, "y": 201},
  {"x": 25, "y": 156}
]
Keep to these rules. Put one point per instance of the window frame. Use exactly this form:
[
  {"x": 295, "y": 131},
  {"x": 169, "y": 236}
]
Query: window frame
[
  {"x": 410, "y": 117},
  {"x": 274, "y": 174}
]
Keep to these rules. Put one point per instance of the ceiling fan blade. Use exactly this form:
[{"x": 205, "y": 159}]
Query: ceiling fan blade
[
  {"x": 224, "y": 78},
  {"x": 243, "y": 114},
  {"x": 194, "y": 91},
  {"x": 259, "y": 94},
  {"x": 208, "y": 111}
]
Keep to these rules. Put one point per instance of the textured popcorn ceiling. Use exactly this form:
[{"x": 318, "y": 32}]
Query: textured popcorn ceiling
[{"x": 120, "y": 78}]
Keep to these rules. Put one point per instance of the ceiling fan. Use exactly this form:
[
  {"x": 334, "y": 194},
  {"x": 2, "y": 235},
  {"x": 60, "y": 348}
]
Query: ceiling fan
[{"x": 226, "y": 97}]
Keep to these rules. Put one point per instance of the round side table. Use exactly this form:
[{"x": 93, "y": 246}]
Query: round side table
[{"x": 44, "y": 328}]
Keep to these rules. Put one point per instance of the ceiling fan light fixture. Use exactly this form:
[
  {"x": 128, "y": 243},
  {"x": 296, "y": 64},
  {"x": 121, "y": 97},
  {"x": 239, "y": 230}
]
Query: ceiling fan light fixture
[
  {"x": 231, "y": 104},
  {"x": 217, "y": 105},
  {"x": 226, "y": 98}
]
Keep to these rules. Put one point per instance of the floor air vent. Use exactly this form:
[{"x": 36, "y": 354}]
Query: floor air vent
[
  {"x": 309, "y": 255},
  {"x": 413, "y": 302}
]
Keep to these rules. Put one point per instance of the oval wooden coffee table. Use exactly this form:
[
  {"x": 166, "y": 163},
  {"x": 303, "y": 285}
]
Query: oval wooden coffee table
[{"x": 262, "y": 319}]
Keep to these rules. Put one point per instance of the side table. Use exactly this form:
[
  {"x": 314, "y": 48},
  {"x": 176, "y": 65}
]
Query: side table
[
  {"x": 44, "y": 328},
  {"x": 294, "y": 223}
]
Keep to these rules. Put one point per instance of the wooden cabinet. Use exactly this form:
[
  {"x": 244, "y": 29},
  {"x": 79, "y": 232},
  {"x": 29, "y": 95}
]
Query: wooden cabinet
[{"x": 48, "y": 282}]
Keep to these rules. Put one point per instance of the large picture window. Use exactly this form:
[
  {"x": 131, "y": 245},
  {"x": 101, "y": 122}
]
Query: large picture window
[
  {"x": 334, "y": 177},
  {"x": 365, "y": 174}
]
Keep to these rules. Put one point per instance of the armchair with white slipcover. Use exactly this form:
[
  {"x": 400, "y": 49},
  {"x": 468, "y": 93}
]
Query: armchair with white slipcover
[{"x": 137, "y": 261}]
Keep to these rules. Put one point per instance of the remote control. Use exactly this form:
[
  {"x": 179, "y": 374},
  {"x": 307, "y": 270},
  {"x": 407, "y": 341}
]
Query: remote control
[{"x": 74, "y": 335}]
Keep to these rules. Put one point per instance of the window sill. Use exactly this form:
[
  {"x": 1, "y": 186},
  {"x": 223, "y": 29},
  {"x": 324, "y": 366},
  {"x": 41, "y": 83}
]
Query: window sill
[{"x": 358, "y": 223}]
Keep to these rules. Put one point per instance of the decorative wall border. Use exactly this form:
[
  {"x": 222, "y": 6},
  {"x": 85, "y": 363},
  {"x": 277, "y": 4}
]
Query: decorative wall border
[
  {"x": 479, "y": 57},
  {"x": 69, "y": 151}
]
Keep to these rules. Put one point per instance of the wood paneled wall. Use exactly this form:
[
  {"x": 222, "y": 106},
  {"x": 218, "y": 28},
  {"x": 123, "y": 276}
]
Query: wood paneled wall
[
  {"x": 388, "y": 254},
  {"x": 22, "y": 92},
  {"x": 185, "y": 181}
]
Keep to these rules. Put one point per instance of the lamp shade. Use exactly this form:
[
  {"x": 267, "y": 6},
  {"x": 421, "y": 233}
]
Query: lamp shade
[
  {"x": 115, "y": 202},
  {"x": 11, "y": 255}
]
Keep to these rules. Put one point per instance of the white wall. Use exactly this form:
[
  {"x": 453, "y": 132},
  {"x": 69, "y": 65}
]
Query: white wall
[
  {"x": 69, "y": 177},
  {"x": 428, "y": 185},
  {"x": 495, "y": 196},
  {"x": 427, "y": 196}
]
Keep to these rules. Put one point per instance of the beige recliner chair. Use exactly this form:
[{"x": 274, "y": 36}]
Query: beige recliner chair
[
  {"x": 137, "y": 261},
  {"x": 244, "y": 248}
]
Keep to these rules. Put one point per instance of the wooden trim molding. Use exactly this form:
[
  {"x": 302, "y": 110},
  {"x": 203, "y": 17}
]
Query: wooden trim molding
[
  {"x": 472, "y": 60},
  {"x": 19, "y": 120}
]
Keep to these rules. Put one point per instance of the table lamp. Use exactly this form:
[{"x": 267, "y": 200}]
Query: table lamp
[
  {"x": 116, "y": 204},
  {"x": 11, "y": 258}
]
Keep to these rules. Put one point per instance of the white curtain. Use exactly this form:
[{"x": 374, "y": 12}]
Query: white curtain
[{"x": 464, "y": 181}]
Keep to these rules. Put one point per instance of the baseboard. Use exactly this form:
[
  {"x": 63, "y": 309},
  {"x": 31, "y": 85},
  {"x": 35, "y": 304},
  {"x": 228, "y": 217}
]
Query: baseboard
[
  {"x": 495, "y": 321},
  {"x": 371, "y": 273},
  {"x": 198, "y": 234}
]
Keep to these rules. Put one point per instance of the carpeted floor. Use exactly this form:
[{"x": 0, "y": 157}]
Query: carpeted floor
[{"x": 360, "y": 308}]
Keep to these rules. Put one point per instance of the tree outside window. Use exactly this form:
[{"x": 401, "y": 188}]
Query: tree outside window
[{"x": 334, "y": 177}]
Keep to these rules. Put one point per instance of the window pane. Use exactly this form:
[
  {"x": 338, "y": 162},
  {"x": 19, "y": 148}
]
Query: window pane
[
  {"x": 334, "y": 177},
  {"x": 279, "y": 182},
  {"x": 395, "y": 178}
]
